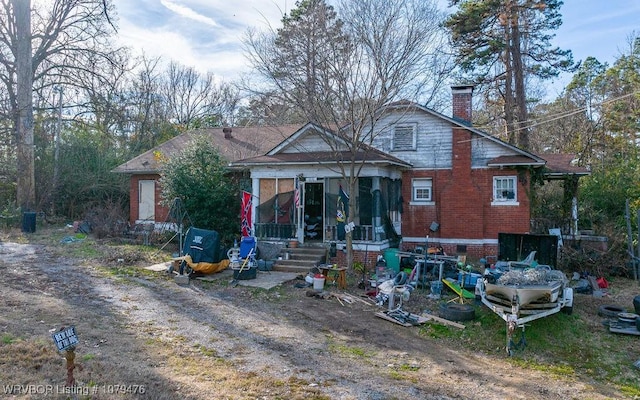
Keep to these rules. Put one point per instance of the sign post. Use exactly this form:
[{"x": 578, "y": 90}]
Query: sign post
[{"x": 66, "y": 339}]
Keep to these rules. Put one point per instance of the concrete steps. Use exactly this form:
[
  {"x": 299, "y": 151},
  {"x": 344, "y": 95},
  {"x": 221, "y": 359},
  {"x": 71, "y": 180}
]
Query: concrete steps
[{"x": 300, "y": 259}]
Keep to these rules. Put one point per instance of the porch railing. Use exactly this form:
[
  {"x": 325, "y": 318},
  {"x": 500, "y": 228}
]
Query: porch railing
[
  {"x": 360, "y": 232},
  {"x": 275, "y": 231},
  {"x": 288, "y": 231}
]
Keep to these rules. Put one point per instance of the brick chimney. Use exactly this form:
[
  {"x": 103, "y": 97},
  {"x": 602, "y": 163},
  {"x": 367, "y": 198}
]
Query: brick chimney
[
  {"x": 461, "y": 146},
  {"x": 466, "y": 212},
  {"x": 462, "y": 95},
  {"x": 227, "y": 132}
]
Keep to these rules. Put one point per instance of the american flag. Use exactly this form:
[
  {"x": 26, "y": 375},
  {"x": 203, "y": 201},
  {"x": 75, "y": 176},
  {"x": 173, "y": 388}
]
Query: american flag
[{"x": 296, "y": 194}]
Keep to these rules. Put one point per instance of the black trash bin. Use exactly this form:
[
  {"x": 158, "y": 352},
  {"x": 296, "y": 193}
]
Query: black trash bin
[{"x": 29, "y": 222}]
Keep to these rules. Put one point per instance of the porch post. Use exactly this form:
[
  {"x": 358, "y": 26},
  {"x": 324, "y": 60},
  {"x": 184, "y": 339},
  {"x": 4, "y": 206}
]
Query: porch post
[
  {"x": 255, "y": 192},
  {"x": 376, "y": 207},
  {"x": 299, "y": 209},
  {"x": 574, "y": 216}
]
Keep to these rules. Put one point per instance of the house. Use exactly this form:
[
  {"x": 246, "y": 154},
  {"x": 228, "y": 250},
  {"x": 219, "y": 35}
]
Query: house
[
  {"x": 233, "y": 143},
  {"x": 426, "y": 179}
]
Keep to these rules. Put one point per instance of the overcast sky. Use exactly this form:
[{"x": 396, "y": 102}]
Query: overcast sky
[{"x": 207, "y": 34}]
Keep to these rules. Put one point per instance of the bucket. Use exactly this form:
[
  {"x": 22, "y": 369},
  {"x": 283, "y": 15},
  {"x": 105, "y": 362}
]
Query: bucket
[
  {"x": 318, "y": 283},
  {"x": 436, "y": 288}
]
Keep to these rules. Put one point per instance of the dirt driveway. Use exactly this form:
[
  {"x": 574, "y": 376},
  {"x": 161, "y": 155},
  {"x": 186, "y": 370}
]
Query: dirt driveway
[{"x": 143, "y": 336}]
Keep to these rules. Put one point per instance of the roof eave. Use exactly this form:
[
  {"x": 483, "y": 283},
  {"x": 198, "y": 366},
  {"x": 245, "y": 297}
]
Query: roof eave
[
  {"x": 137, "y": 171},
  {"x": 289, "y": 163},
  {"x": 562, "y": 175},
  {"x": 535, "y": 164}
]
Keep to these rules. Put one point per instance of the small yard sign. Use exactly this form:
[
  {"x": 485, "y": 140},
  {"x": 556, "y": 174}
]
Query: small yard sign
[{"x": 65, "y": 338}]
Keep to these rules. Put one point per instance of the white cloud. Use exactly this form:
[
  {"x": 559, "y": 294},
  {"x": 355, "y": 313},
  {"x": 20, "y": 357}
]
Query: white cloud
[
  {"x": 187, "y": 12},
  {"x": 204, "y": 34}
]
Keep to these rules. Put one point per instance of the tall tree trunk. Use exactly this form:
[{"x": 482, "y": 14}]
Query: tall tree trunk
[
  {"x": 25, "y": 191},
  {"x": 520, "y": 96},
  {"x": 508, "y": 78}
]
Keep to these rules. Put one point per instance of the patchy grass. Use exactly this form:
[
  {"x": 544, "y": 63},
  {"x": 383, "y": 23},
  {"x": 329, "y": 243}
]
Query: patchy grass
[
  {"x": 8, "y": 338},
  {"x": 577, "y": 347},
  {"x": 562, "y": 345},
  {"x": 349, "y": 351}
]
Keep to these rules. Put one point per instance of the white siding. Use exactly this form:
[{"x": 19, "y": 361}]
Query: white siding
[
  {"x": 433, "y": 141},
  {"x": 309, "y": 141},
  {"x": 483, "y": 150}
]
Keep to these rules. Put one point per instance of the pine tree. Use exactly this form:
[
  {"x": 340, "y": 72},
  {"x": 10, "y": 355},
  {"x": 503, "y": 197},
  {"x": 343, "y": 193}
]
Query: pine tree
[{"x": 502, "y": 44}]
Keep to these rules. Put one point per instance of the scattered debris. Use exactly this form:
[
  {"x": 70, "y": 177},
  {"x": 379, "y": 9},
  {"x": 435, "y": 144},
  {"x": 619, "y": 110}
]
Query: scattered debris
[
  {"x": 318, "y": 294},
  {"x": 401, "y": 317},
  {"x": 343, "y": 298},
  {"x": 443, "y": 321}
]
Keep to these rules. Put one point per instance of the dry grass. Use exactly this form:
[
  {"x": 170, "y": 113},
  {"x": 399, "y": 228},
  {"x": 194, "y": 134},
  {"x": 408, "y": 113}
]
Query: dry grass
[{"x": 133, "y": 344}]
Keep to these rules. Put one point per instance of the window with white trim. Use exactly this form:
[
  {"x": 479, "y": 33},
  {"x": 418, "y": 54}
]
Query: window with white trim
[
  {"x": 505, "y": 189},
  {"x": 404, "y": 137},
  {"x": 422, "y": 189}
]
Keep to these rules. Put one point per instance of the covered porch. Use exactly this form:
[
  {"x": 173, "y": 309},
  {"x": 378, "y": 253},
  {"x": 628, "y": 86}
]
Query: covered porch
[{"x": 315, "y": 209}]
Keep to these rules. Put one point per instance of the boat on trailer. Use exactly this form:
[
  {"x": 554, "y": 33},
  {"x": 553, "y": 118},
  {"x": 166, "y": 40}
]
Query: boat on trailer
[{"x": 520, "y": 295}]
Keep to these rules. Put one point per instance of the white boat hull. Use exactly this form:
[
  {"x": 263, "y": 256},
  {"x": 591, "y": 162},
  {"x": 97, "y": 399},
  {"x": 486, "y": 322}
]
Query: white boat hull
[{"x": 525, "y": 294}]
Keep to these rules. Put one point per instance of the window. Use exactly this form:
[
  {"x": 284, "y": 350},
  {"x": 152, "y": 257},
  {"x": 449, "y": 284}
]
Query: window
[
  {"x": 504, "y": 189},
  {"x": 422, "y": 190},
  {"x": 404, "y": 137}
]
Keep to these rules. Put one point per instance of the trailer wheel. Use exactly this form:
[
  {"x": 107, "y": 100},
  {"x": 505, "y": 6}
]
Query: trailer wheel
[
  {"x": 610, "y": 310},
  {"x": 567, "y": 310},
  {"x": 457, "y": 312}
]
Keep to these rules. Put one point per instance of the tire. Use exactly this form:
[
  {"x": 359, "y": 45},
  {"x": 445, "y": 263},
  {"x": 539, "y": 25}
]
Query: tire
[
  {"x": 567, "y": 310},
  {"x": 610, "y": 310},
  {"x": 400, "y": 279},
  {"x": 636, "y": 304},
  {"x": 457, "y": 312}
]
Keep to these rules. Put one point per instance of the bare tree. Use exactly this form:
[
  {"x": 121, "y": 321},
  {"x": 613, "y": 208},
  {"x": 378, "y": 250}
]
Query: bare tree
[
  {"x": 195, "y": 99},
  {"x": 39, "y": 48},
  {"x": 346, "y": 70},
  {"x": 26, "y": 188}
]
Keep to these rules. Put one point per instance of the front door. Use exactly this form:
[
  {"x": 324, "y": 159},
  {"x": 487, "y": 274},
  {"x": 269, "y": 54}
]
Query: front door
[
  {"x": 313, "y": 211},
  {"x": 146, "y": 200}
]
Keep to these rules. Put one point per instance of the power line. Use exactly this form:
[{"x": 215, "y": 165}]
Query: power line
[{"x": 565, "y": 114}]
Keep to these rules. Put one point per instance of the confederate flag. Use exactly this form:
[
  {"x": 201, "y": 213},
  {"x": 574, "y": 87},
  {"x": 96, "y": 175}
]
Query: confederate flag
[{"x": 245, "y": 214}]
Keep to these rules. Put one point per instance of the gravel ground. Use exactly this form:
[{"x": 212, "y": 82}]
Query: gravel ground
[{"x": 135, "y": 327}]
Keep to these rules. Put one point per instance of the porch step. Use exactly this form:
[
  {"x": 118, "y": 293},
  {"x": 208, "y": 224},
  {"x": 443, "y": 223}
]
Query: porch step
[{"x": 300, "y": 260}]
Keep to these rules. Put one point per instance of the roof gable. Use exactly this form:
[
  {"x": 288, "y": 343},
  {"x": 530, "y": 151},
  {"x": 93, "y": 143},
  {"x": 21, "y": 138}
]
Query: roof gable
[
  {"x": 239, "y": 143},
  {"x": 405, "y": 106},
  {"x": 308, "y": 146}
]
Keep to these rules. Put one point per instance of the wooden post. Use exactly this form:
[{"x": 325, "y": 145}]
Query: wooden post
[
  {"x": 70, "y": 356},
  {"x": 636, "y": 269},
  {"x": 627, "y": 217}
]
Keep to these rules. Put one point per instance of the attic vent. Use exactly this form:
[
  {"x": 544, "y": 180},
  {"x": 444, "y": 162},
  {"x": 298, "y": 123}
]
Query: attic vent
[
  {"x": 227, "y": 133},
  {"x": 404, "y": 137}
]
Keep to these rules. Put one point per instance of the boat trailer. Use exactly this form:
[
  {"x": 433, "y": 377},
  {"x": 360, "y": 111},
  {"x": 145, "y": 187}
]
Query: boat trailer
[{"x": 517, "y": 315}]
